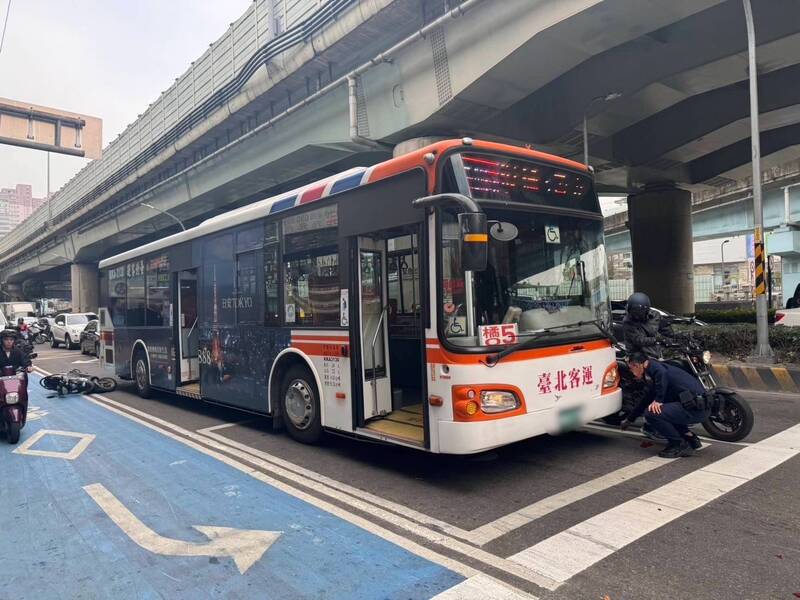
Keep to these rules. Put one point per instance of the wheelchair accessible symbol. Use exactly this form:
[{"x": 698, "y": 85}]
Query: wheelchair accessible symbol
[{"x": 552, "y": 234}]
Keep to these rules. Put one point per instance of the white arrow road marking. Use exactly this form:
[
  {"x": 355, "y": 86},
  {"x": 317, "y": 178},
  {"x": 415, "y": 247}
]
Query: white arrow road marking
[
  {"x": 82, "y": 362},
  {"x": 244, "y": 546}
]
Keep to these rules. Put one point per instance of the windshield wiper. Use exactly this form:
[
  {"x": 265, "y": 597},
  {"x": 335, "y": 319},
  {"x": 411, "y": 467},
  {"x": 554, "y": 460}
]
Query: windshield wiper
[{"x": 537, "y": 334}]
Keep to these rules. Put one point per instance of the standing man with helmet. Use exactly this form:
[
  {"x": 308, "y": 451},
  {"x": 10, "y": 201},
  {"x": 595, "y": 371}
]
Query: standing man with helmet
[{"x": 10, "y": 355}]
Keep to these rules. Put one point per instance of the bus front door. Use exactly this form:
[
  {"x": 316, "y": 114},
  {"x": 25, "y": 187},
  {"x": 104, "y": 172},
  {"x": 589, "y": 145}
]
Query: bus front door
[
  {"x": 187, "y": 325},
  {"x": 373, "y": 319}
]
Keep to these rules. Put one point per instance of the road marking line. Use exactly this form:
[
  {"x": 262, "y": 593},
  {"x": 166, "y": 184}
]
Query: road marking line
[
  {"x": 499, "y": 527},
  {"x": 323, "y": 480},
  {"x": 244, "y": 546},
  {"x": 570, "y": 552},
  {"x": 435, "y": 537},
  {"x": 84, "y": 439},
  {"x": 223, "y": 426},
  {"x": 483, "y": 587}
]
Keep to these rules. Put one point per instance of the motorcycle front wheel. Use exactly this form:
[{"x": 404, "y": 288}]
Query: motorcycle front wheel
[
  {"x": 104, "y": 384},
  {"x": 39, "y": 339},
  {"x": 733, "y": 421},
  {"x": 50, "y": 382}
]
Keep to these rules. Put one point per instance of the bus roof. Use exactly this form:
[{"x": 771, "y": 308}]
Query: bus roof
[{"x": 330, "y": 186}]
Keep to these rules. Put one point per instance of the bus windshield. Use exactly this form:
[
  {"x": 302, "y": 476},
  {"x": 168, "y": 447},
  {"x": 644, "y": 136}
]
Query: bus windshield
[{"x": 546, "y": 268}]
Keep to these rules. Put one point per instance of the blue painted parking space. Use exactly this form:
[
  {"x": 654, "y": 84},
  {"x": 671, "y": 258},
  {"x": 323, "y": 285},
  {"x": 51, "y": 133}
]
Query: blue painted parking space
[{"x": 95, "y": 505}]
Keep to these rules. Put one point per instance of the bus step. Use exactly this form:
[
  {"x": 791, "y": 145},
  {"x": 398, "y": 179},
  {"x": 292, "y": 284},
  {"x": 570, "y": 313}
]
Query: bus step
[{"x": 190, "y": 390}]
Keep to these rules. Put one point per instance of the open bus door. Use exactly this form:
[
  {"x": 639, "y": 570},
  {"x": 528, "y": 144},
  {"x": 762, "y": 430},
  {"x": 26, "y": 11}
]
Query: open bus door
[{"x": 106, "y": 334}]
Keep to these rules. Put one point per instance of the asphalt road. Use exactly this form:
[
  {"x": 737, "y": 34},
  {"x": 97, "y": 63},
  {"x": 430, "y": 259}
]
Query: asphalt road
[{"x": 588, "y": 514}]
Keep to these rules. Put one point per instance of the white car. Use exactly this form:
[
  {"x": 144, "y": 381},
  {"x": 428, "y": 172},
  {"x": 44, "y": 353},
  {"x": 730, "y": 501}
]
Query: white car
[
  {"x": 789, "y": 317},
  {"x": 67, "y": 328}
]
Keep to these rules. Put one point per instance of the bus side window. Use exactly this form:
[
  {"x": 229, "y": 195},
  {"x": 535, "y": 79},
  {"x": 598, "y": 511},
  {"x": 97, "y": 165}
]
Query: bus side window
[{"x": 248, "y": 306}]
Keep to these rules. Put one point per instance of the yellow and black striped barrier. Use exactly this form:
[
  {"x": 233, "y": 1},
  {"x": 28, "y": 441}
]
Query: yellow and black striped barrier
[{"x": 760, "y": 378}]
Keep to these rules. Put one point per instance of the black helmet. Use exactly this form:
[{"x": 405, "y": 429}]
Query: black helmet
[
  {"x": 638, "y": 306},
  {"x": 8, "y": 333}
]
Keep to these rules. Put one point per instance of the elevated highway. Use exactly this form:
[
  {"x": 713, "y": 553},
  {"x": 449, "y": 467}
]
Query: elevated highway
[{"x": 350, "y": 80}]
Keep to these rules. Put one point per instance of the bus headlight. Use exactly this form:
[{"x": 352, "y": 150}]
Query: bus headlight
[
  {"x": 496, "y": 401},
  {"x": 707, "y": 357},
  {"x": 611, "y": 378},
  {"x": 12, "y": 398}
]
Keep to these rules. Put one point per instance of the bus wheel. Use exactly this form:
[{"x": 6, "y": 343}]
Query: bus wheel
[
  {"x": 301, "y": 413},
  {"x": 141, "y": 375}
]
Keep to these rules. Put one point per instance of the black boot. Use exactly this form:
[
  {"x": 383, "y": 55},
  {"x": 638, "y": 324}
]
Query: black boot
[
  {"x": 693, "y": 441},
  {"x": 676, "y": 450}
]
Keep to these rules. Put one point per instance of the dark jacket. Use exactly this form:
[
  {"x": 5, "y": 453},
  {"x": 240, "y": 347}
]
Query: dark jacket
[
  {"x": 667, "y": 382},
  {"x": 643, "y": 336},
  {"x": 15, "y": 358}
]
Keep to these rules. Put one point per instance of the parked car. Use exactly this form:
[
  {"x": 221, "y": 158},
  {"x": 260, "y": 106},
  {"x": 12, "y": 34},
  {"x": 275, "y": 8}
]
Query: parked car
[
  {"x": 788, "y": 317},
  {"x": 90, "y": 338},
  {"x": 67, "y": 328}
]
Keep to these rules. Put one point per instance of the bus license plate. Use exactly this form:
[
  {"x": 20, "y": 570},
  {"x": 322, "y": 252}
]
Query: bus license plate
[{"x": 569, "y": 418}]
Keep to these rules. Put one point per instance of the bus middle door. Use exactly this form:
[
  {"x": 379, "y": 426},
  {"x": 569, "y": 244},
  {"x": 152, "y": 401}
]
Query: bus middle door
[{"x": 373, "y": 319}]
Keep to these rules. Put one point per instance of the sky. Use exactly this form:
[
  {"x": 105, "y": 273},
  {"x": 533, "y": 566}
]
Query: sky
[{"x": 105, "y": 58}]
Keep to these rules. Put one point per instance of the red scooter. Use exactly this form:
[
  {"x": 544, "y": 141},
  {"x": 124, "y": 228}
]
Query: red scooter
[{"x": 13, "y": 402}]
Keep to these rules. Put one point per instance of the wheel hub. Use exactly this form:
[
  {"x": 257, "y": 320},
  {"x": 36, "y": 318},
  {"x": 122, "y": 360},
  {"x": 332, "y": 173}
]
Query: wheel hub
[
  {"x": 299, "y": 404},
  {"x": 141, "y": 374}
]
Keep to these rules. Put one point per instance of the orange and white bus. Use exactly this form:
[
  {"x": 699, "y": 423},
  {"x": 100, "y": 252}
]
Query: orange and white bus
[{"x": 453, "y": 299}]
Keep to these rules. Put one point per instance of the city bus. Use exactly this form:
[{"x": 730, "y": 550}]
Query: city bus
[{"x": 453, "y": 299}]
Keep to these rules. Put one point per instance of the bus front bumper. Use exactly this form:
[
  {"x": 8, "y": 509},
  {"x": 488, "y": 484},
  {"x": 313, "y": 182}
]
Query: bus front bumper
[{"x": 469, "y": 438}]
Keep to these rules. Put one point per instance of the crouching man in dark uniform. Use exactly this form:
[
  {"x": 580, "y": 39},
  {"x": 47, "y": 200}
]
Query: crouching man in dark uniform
[{"x": 678, "y": 400}]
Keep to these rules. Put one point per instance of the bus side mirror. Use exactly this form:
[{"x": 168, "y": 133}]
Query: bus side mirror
[{"x": 474, "y": 241}]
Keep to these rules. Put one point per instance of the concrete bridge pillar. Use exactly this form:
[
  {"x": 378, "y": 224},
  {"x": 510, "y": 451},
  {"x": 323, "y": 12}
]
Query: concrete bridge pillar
[
  {"x": 85, "y": 287},
  {"x": 660, "y": 221}
]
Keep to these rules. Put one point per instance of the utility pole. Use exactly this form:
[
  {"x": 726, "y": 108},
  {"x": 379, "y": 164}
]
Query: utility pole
[{"x": 763, "y": 351}]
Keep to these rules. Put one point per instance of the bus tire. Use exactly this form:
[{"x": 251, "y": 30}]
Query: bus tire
[
  {"x": 300, "y": 407},
  {"x": 141, "y": 374}
]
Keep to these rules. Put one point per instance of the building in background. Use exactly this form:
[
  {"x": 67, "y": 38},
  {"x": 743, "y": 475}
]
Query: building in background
[{"x": 16, "y": 205}]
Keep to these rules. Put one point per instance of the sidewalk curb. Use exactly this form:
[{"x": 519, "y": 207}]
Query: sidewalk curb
[{"x": 759, "y": 378}]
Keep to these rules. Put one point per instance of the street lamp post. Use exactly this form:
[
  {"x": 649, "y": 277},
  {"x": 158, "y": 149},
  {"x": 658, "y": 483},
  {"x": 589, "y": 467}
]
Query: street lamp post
[
  {"x": 722, "y": 253},
  {"x": 762, "y": 351},
  {"x": 606, "y": 98},
  {"x": 164, "y": 212}
]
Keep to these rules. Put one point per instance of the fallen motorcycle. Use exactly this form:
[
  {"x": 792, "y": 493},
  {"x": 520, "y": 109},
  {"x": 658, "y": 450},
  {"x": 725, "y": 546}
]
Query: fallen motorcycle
[{"x": 75, "y": 382}]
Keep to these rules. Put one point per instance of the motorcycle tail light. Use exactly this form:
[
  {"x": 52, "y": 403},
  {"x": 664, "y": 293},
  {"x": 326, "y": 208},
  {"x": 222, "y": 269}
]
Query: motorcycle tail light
[{"x": 12, "y": 398}]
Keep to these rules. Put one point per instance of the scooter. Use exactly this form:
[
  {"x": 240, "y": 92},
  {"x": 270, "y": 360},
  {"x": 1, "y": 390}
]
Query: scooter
[{"x": 13, "y": 402}]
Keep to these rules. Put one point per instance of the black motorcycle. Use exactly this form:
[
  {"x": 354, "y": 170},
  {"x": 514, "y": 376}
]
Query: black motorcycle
[
  {"x": 731, "y": 417},
  {"x": 75, "y": 382}
]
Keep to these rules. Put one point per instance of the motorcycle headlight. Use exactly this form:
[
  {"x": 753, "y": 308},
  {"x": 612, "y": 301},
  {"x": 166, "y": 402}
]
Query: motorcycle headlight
[
  {"x": 707, "y": 357},
  {"x": 498, "y": 401},
  {"x": 12, "y": 398}
]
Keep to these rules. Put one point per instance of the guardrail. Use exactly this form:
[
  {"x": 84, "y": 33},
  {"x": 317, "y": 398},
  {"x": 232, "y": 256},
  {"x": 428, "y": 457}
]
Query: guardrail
[{"x": 213, "y": 79}]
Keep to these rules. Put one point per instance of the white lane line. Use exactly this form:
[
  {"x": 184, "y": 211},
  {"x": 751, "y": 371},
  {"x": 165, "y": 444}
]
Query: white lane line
[
  {"x": 482, "y": 587},
  {"x": 570, "y": 552},
  {"x": 423, "y": 532},
  {"x": 223, "y": 426},
  {"x": 499, "y": 527},
  {"x": 358, "y": 493}
]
